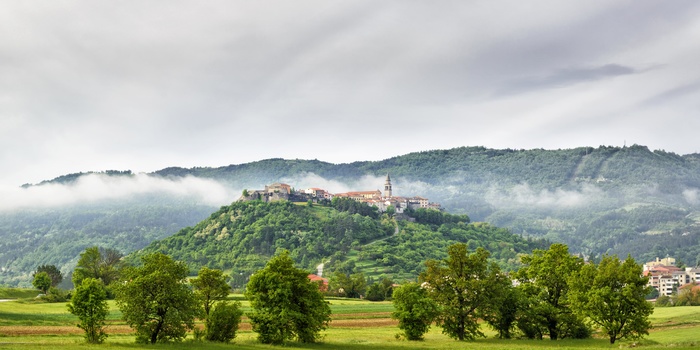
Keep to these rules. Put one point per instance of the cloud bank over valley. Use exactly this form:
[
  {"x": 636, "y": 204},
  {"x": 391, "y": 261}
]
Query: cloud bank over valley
[{"x": 93, "y": 188}]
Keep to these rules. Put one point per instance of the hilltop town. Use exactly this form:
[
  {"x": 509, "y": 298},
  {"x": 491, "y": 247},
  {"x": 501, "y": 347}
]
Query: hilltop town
[{"x": 382, "y": 200}]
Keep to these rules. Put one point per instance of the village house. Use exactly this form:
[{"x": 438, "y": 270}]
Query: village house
[
  {"x": 322, "y": 282},
  {"x": 666, "y": 277},
  {"x": 278, "y": 188}
]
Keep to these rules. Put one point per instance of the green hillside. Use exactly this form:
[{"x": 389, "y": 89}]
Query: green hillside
[
  {"x": 57, "y": 236},
  {"x": 622, "y": 200},
  {"x": 241, "y": 237}
]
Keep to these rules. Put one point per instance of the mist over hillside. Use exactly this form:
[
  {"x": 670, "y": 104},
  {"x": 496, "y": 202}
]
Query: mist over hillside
[{"x": 622, "y": 200}]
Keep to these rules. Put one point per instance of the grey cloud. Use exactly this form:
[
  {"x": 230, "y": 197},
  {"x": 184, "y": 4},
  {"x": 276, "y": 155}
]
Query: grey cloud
[
  {"x": 672, "y": 94},
  {"x": 565, "y": 77},
  {"x": 153, "y": 84}
]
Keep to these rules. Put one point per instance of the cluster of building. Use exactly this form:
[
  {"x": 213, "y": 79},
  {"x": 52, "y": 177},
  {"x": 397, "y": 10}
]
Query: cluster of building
[
  {"x": 281, "y": 191},
  {"x": 665, "y": 276}
]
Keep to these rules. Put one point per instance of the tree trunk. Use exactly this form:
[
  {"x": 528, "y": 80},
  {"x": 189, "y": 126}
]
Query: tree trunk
[
  {"x": 552, "y": 327},
  {"x": 154, "y": 334}
]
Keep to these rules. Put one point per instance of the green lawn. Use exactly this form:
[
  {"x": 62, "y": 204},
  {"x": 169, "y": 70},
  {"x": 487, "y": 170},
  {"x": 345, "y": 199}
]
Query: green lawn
[
  {"x": 17, "y": 293},
  {"x": 675, "y": 328}
]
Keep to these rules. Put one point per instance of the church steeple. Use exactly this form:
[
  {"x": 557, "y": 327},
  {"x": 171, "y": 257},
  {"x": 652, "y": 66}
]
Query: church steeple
[{"x": 387, "y": 187}]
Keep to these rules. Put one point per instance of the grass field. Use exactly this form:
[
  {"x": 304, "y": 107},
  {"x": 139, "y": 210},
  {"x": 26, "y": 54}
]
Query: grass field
[
  {"x": 356, "y": 324},
  {"x": 17, "y": 293}
]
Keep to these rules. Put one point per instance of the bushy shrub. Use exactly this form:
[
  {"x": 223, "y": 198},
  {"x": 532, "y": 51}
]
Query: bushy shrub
[{"x": 223, "y": 321}]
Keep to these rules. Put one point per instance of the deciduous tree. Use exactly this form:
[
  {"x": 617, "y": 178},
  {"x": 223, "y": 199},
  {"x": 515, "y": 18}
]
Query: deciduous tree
[
  {"x": 209, "y": 286},
  {"x": 544, "y": 283},
  {"x": 612, "y": 295},
  {"x": 53, "y": 272},
  {"x": 414, "y": 309},
  {"x": 95, "y": 262},
  {"x": 222, "y": 323},
  {"x": 286, "y": 305},
  {"x": 89, "y": 303},
  {"x": 155, "y": 300},
  {"x": 42, "y": 282},
  {"x": 462, "y": 285},
  {"x": 349, "y": 286}
]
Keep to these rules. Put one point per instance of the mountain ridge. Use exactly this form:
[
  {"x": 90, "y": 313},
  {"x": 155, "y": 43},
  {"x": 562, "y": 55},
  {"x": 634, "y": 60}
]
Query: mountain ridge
[{"x": 596, "y": 200}]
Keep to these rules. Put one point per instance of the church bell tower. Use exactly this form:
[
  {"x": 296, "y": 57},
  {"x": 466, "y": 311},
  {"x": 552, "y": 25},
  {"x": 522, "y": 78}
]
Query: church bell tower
[{"x": 387, "y": 187}]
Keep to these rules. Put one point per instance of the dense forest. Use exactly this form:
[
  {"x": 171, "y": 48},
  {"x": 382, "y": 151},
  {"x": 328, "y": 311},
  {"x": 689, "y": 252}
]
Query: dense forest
[
  {"x": 57, "y": 236},
  {"x": 241, "y": 237},
  {"x": 622, "y": 200}
]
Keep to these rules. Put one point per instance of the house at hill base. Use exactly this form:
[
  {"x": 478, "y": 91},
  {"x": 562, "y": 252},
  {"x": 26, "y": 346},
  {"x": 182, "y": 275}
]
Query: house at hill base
[
  {"x": 322, "y": 282},
  {"x": 666, "y": 277}
]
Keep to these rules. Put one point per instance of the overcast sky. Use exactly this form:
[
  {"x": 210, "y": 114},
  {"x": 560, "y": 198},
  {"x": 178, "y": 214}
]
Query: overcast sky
[{"x": 142, "y": 85}]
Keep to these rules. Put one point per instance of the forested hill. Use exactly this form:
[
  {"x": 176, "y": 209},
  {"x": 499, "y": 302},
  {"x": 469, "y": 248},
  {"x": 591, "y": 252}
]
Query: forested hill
[
  {"x": 241, "y": 237},
  {"x": 619, "y": 200},
  {"x": 540, "y": 168},
  {"x": 622, "y": 200}
]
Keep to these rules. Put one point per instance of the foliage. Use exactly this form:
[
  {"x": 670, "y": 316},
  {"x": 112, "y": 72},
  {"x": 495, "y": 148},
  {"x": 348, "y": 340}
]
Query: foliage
[
  {"x": 544, "y": 284},
  {"x": 42, "y": 282},
  {"x": 351, "y": 206},
  {"x": 616, "y": 200},
  {"x": 414, "y": 309},
  {"x": 53, "y": 272},
  {"x": 404, "y": 254},
  {"x": 57, "y": 236},
  {"x": 687, "y": 295},
  {"x": 244, "y": 235},
  {"x": 379, "y": 291},
  {"x": 463, "y": 286},
  {"x": 209, "y": 286},
  {"x": 286, "y": 305},
  {"x": 502, "y": 312},
  {"x": 89, "y": 303},
  {"x": 99, "y": 263},
  {"x": 222, "y": 324},
  {"x": 155, "y": 300},
  {"x": 56, "y": 295},
  {"x": 612, "y": 295},
  {"x": 435, "y": 217},
  {"x": 349, "y": 286},
  {"x": 653, "y": 293},
  {"x": 663, "y": 301}
]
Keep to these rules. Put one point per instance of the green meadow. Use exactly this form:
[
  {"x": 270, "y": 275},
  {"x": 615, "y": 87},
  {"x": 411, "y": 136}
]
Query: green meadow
[{"x": 357, "y": 324}]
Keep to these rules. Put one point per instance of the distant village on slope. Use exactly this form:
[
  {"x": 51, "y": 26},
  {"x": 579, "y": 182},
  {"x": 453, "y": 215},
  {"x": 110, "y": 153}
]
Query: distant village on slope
[
  {"x": 667, "y": 278},
  {"x": 280, "y": 191}
]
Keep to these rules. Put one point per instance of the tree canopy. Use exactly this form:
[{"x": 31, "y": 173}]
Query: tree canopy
[
  {"x": 209, "y": 286},
  {"x": 286, "y": 304},
  {"x": 414, "y": 309},
  {"x": 544, "y": 284},
  {"x": 89, "y": 303},
  {"x": 99, "y": 263},
  {"x": 156, "y": 301},
  {"x": 463, "y": 285},
  {"x": 612, "y": 295},
  {"x": 53, "y": 272}
]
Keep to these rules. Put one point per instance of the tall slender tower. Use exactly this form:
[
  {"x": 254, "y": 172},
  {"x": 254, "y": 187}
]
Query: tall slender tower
[{"x": 387, "y": 187}]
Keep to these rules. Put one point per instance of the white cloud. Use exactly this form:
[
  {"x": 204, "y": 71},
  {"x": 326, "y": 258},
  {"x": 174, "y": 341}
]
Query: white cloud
[
  {"x": 524, "y": 195},
  {"x": 692, "y": 196},
  {"x": 99, "y": 187}
]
